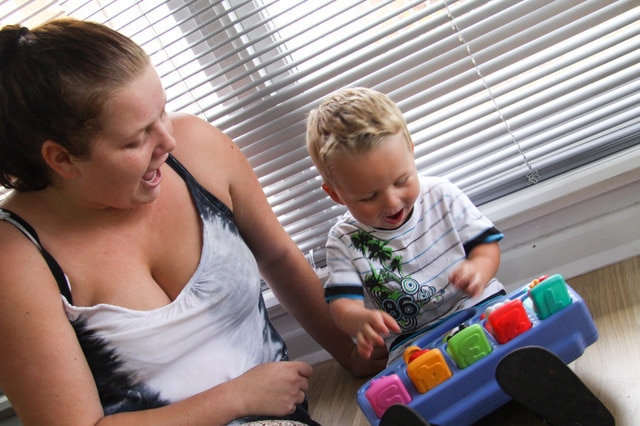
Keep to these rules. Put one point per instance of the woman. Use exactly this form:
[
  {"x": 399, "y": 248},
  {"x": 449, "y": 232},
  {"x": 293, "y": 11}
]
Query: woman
[{"x": 133, "y": 248}]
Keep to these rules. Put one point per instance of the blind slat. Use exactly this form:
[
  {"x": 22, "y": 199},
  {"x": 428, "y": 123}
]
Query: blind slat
[{"x": 563, "y": 75}]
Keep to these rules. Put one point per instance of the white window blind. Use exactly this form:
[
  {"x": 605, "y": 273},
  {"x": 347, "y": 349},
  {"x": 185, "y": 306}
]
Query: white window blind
[{"x": 497, "y": 94}]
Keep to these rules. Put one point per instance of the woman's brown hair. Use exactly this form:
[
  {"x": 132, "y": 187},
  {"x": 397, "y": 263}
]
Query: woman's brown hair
[{"x": 54, "y": 83}]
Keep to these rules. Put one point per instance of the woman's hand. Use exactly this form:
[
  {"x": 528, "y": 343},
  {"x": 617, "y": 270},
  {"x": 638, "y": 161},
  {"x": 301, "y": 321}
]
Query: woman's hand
[{"x": 273, "y": 389}]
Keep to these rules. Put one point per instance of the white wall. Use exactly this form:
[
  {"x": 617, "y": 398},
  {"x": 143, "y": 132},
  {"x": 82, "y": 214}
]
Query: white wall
[{"x": 573, "y": 224}]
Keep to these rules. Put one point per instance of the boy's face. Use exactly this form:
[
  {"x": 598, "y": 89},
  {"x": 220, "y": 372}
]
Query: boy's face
[{"x": 378, "y": 187}]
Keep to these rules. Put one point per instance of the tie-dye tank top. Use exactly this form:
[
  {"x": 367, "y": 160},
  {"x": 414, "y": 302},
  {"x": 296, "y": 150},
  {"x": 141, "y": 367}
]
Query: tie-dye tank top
[{"x": 216, "y": 329}]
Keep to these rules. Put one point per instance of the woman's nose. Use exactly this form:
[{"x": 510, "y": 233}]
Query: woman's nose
[{"x": 166, "y": 141}]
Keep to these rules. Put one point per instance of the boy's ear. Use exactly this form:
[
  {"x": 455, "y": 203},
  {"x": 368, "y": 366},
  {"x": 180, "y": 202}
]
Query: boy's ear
[
  {"x": 332, "y": 193},
  {"x": 59, "y": 159}
]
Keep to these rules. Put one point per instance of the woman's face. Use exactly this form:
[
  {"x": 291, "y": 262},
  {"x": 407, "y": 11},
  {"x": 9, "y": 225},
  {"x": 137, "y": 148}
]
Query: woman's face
[{"x": 124, "y": 168}]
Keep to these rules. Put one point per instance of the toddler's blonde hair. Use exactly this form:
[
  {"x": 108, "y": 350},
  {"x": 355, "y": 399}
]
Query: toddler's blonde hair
[{"x": 351, "y": 120}]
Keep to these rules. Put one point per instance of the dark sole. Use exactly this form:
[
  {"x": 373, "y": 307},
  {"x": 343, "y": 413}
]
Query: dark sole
[
  {"x": 540, "y": 381},
  {"x": 402, "y": 415}
]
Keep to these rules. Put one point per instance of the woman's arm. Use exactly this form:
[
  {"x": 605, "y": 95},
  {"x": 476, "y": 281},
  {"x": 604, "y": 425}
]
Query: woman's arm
[
  {"x": 290, "y": 276},
  {"x": 281, "y": 263},
  {"x": 42, "y": 368}
]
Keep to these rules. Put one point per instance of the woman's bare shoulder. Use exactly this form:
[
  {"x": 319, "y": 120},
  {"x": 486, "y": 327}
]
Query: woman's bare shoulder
[
  {"x": 193, "y": 133},
  {"x": 209, "y": 155},
  {"x": 199, "y": 144},
  {"x": 21, "y": 259}
]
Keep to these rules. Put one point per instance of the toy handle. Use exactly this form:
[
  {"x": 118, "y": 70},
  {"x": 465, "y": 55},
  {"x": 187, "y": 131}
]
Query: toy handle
[{"x": 445, "y": 325}]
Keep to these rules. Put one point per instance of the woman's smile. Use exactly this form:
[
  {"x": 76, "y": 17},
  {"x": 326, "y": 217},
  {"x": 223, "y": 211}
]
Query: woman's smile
[{"x": 153, "y": 177}]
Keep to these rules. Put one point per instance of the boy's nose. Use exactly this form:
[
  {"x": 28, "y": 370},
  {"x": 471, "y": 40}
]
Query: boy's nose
[{"x": 391, "y": 200}]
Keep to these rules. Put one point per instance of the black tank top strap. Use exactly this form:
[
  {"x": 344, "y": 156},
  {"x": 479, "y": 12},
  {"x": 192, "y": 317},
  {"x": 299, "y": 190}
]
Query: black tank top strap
[
  {"x": 27, "y": 230},
  {"x": 201, "y": 196}
]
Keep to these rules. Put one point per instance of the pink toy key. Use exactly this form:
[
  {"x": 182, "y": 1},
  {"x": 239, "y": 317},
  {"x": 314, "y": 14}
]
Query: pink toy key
[{"x": 385, "y": 392}]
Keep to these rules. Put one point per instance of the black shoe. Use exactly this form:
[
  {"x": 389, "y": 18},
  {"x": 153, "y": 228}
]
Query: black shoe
[
  {"x": 542, "y": 382},
  {"x": 402, "y": 415}
]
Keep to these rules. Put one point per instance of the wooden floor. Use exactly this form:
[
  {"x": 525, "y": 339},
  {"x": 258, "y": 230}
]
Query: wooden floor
[{"x": 610, "y": 367}]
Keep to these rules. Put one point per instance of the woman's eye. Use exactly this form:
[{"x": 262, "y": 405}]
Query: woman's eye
[
  {"x": 134, "y": 144},
  {"x": 139, "y": 140}
]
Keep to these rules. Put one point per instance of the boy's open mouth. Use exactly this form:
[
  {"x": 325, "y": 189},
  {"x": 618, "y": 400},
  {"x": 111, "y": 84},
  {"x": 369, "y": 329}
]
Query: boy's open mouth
[{"x": 395, "y": 217}]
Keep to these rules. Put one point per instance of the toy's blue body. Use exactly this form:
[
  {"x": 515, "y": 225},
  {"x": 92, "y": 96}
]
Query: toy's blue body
[{"x": 472, "y": 392}]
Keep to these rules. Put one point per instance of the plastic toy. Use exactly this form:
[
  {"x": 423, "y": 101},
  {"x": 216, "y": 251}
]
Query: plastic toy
[
  {"x": 427, "y": 368},
  {"x": 385, "y": 392},
  {"x": 507, "y": 321},
  {"x": 448, "y": 375}
]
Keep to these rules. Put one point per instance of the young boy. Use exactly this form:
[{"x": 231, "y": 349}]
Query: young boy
[
  {"x": 411, "y": 249},
  {"x": 414, "y": 249}
]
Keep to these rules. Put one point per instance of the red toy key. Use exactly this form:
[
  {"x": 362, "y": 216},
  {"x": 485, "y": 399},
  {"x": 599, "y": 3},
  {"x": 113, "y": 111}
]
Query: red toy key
[{"x": 508, "y": 321}]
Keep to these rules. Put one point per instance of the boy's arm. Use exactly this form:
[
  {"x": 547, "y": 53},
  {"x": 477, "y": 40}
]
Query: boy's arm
[
  {"x": 481, "y": 265},
  {"x": 368, "y": 326}
]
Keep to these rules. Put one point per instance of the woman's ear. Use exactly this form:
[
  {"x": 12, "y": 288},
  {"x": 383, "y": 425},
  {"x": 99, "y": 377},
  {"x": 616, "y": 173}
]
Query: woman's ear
[
  {"x": 332, "y": 193},
  {"x": 59, "y": 159}
]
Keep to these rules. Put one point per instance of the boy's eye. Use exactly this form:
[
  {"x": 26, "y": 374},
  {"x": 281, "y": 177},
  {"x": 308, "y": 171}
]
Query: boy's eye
[{"x": 402, "y": 181}]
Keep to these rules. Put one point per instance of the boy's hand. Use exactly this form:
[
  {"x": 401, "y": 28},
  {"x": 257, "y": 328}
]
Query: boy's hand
[
  {"x": 373, "y": 326},
  {"x": 467, "y": 278},
  {"x": 473, "y": 274},
  {"x": 368, "y": 326}
]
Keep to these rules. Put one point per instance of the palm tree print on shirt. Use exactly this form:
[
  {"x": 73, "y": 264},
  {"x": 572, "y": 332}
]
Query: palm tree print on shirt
[{"x": 400, "y": 295}]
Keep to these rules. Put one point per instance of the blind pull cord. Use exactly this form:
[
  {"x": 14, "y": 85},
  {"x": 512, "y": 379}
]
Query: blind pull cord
[{"x": 532, "y": 176}]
